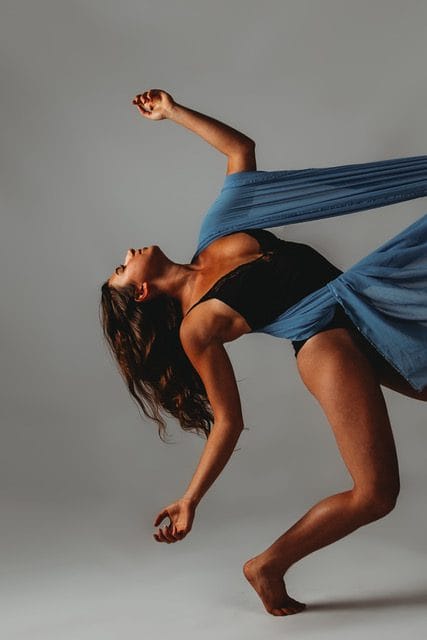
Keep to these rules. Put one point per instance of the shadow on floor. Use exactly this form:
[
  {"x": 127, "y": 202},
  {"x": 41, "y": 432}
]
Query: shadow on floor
[{"x": 414, "y": 598}]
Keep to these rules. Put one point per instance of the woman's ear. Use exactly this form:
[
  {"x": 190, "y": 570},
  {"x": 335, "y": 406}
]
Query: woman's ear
[{"x": 141, "y": 292}]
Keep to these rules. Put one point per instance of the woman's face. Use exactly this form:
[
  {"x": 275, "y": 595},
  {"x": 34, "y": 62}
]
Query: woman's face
[{"x": 138, "y": 267}]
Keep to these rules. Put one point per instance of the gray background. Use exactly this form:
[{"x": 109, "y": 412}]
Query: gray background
[{"x": 83, "y": 177}]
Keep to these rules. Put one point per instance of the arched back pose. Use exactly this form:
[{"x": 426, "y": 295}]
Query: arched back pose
[{"x": 166, "y": 323}]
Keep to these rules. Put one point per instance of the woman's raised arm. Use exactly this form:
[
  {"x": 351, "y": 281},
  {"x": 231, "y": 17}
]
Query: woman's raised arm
[{"x": 156, "y": 104}]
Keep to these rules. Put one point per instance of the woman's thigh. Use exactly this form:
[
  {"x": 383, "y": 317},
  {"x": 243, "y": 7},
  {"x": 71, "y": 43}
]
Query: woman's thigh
[
  {"x": 341, "y": 378},
  {"x": 386, "y": 374}
]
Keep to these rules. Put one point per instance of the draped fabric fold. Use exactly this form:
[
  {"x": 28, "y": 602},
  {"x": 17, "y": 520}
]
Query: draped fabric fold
[{"x": 385, "y": 293}]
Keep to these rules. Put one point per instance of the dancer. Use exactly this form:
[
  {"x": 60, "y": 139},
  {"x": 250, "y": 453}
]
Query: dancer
[{"x": 166, "y": 324}]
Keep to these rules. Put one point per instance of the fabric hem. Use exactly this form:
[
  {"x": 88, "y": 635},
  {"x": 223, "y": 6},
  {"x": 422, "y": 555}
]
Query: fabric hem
[{"x": 386, "y": 357}]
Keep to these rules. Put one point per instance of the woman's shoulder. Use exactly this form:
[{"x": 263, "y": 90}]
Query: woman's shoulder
[
  {"x": 210, "y": 320},
  {"x": 207, "y": 321}
]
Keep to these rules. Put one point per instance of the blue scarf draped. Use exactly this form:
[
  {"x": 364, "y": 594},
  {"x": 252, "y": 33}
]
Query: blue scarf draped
[{"x": 385, "y": 293}]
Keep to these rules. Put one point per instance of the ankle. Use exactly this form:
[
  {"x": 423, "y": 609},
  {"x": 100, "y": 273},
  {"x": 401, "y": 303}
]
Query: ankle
[{"x": 269, "y": 564}]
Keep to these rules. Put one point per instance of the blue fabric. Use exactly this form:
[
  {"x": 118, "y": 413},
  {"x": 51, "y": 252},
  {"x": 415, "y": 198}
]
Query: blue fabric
[{"x": 385, "y": 293}]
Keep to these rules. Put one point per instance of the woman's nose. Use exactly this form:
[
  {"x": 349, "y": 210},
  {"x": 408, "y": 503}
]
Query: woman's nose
[{"x": 129, "y": 254}]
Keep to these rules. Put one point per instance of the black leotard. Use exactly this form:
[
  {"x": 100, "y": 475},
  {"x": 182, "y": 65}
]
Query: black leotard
[{"x": 262, "y": 289}]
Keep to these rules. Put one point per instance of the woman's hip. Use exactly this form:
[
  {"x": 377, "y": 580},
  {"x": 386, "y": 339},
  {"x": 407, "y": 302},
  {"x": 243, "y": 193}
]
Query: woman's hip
[{"x": 342, "y": 320}]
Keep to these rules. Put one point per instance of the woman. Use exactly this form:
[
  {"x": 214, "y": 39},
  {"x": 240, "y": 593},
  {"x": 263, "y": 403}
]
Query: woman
[{"x": 175, "y": 359}]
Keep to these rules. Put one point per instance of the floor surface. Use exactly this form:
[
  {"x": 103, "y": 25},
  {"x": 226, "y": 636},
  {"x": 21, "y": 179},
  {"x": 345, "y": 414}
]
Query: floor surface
[{"x": 79, "y": 573}]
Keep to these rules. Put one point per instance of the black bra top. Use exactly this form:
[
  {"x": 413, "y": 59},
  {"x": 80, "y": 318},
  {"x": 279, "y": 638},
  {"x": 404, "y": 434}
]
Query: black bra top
[{"x": 262, "y": 289}]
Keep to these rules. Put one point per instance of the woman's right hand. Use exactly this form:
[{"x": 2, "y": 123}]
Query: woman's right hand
[
  {"x": 181, "y": 515},
  {"x": 154, "y": 104}
]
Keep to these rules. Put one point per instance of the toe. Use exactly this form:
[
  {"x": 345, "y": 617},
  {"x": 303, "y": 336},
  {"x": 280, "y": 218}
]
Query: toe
[
  {"x": 289, "y": 610},
  {"x": 296, "y": 604},
  {"x": 277, "y": 612}
]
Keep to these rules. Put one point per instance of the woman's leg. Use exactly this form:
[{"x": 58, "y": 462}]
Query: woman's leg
[{"x": 340, "y": 377}]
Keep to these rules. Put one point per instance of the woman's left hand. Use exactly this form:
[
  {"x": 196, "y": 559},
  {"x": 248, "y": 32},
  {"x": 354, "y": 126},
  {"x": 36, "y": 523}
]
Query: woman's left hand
[
  {"x": 181, "y": 515},
  {"x": 154, "y": 104}
]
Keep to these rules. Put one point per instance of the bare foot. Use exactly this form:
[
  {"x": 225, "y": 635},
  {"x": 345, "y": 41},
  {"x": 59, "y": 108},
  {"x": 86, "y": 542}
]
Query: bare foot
[{"x": 270, "y": 587}]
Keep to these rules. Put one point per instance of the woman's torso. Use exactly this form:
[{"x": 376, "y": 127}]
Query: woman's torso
[{"x": 252, "y": 276}]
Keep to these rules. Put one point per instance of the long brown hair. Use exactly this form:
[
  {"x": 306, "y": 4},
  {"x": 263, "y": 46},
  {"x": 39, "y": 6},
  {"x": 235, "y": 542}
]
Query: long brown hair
[{"x": 144, "y": 341}]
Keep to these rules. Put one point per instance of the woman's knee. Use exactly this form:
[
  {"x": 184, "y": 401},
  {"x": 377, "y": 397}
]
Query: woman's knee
[{"x": 375, "y": 503}]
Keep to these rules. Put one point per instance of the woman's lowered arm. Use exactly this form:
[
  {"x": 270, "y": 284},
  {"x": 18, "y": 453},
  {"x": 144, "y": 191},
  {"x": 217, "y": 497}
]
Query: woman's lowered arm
[
  {"x": 214, "y": 367},
  {"x": 211, "y": 361}
]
